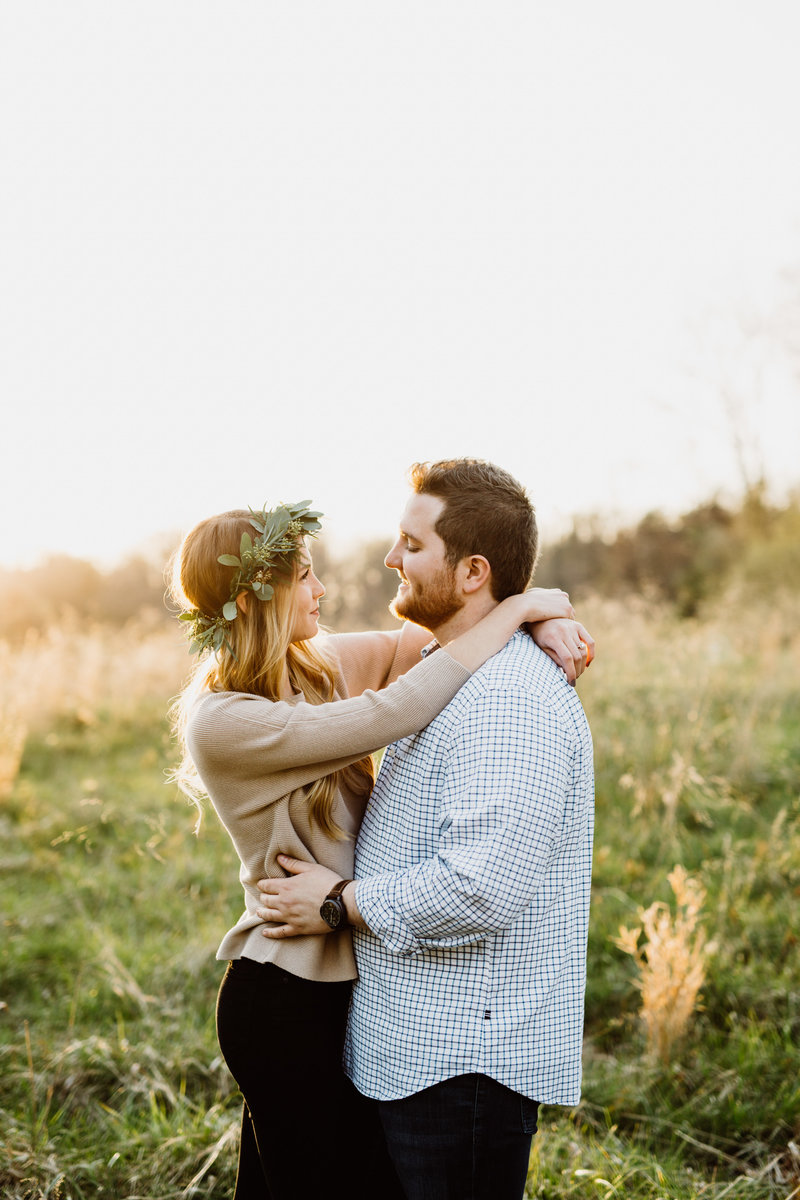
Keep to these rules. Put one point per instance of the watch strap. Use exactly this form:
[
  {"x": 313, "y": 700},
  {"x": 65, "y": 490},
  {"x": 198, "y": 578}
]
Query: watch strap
[{"x": 338, "y": 888}]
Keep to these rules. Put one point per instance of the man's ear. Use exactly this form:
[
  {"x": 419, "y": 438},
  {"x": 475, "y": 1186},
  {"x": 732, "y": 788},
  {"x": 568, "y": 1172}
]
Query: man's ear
[{"x": 476, "y": 573}]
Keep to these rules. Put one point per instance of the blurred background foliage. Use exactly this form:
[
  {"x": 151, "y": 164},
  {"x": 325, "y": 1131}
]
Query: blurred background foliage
[{"x": 752, "y": 548}]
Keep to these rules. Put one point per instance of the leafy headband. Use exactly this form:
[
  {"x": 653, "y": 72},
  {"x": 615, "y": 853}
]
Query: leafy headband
[{"x": 277, "y": 533}]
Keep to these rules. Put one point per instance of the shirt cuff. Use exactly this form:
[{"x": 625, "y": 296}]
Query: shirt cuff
[{"x": 381, "y": 918}]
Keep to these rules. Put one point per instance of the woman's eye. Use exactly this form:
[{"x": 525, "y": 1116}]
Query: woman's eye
[{"x": 304, "y": 575}]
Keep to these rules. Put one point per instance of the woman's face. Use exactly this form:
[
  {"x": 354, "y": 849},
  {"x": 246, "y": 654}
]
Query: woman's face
[{"x": 308, "y": 591}]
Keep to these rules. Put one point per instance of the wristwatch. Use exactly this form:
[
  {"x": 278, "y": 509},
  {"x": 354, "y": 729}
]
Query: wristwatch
[{"x": 332, "y": 909}]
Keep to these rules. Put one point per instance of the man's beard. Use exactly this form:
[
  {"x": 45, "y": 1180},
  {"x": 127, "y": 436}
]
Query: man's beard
[{"x": 431, "y": 605}]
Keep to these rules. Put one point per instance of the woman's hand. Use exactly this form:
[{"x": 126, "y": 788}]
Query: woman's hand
[
  {"x": 293, "y": 903},
  {"x": 568, "y": 643},
  {"x": 544, "y": 604}
]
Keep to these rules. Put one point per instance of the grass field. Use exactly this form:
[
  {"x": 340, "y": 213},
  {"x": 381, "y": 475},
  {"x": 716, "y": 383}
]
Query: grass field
[{"x": 110, "y": 1079}]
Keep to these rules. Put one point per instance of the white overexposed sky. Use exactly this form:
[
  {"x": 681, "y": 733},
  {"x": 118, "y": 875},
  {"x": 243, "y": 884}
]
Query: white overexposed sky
[{"x": 270, "y": 251}]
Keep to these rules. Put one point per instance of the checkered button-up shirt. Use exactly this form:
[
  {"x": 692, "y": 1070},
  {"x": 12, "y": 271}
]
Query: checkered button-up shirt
[{"x": 473, "y": 867}]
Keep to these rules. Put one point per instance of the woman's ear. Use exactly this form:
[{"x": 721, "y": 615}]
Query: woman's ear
[
  {"x": 477, "y": 573},
  {"x": 241, "y": 602}
]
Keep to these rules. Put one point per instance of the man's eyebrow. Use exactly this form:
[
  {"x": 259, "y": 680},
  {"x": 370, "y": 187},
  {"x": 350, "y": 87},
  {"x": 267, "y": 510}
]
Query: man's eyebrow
[{"x": 409, "y": 536}]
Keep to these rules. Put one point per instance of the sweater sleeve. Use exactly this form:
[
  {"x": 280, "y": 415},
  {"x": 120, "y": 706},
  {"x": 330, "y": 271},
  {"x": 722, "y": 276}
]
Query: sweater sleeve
[{"x": 265, "y": 737}]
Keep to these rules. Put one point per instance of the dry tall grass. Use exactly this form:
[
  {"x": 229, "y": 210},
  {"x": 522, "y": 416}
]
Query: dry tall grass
[
  {"x": 75, "y": 672},
  {"x": 705, "y": 693},
  {"x": 13, "y": 725},
  {"x": 672, "y": 962}
]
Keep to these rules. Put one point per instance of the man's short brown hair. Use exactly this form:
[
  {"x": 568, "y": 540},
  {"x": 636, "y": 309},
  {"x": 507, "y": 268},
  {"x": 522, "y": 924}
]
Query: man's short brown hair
[{"x": 486, "y": 512}]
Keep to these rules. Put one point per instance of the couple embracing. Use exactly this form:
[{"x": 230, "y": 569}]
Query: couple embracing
[{"x": 425, "y": 931}]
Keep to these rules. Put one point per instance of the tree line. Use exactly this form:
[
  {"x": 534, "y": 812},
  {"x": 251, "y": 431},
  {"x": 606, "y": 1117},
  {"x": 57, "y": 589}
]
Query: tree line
[{"x": 685, "y": 563}]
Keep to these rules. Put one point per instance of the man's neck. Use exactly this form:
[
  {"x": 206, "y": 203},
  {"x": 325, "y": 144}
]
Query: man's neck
[{"x": 464, "y": 619}]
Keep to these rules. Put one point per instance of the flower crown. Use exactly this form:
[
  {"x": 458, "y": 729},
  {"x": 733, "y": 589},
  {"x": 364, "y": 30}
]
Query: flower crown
[{"x": 277, "y": 533}]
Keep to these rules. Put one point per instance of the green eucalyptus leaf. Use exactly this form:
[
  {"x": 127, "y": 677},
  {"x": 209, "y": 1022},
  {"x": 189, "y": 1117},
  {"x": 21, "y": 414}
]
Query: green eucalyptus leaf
[{"x": 277, "y": 533}]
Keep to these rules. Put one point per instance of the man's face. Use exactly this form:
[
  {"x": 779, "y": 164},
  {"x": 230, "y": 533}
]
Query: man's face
[{"x": 427, "y": 593}]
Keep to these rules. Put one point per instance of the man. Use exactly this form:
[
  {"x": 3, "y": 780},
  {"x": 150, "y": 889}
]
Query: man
[{"x": 470, "y": 909}]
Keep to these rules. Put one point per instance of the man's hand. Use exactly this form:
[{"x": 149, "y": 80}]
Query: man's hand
[
  {"x": 294, "y": 903},
  {"x": 568, "y": 643}
]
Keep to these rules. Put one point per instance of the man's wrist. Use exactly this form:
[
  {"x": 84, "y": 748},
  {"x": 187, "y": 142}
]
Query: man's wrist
[{"x": 354, "y": 917}]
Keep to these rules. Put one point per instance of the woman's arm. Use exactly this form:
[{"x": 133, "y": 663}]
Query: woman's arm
[
  {"x": 266, "y": 736},
  {"x": 374, "y": 659},
  {"x": 490, "y": 634}
]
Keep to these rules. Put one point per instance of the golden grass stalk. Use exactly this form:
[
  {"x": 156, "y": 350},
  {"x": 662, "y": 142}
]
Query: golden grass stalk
[
  {"x": 13, "y": 726},
  {"x": 671, "y": 961},
  {"x": 13, "y": 735}
]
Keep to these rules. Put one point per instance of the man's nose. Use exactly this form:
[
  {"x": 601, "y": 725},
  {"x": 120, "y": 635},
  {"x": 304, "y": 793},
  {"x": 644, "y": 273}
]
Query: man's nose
[{"x": 393, "y": 560}]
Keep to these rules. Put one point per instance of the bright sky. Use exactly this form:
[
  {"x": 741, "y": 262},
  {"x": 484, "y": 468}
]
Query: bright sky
[{"x": 270, "y": 251}]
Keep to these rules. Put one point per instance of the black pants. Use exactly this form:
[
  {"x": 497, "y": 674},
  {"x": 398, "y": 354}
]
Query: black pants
[
  {"x": 467, "y": 1138},
  {"x": 306, "y": 1131}
]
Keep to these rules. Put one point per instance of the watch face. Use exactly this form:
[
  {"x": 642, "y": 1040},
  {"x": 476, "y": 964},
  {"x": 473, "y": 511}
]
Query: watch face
[{"x": 331, "y": 912}]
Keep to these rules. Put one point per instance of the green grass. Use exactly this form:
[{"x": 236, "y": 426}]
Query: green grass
[{"x": 110, "y": 1078}]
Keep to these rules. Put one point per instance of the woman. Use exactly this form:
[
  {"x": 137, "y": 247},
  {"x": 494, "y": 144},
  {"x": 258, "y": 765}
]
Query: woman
[{"x": 280, "y": 732}]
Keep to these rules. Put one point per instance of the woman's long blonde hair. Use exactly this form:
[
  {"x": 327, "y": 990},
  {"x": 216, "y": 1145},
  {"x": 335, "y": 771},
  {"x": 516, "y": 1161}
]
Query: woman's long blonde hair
[{"x": 260, "y": 646}]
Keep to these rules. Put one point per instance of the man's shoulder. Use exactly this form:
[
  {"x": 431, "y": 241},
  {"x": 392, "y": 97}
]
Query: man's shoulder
[
  {"x": 521, "y": 663},
  {"x": 522, "y": 674}
]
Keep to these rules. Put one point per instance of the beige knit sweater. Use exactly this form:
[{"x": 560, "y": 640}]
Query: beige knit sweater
[{"x": 256, "y": 758}]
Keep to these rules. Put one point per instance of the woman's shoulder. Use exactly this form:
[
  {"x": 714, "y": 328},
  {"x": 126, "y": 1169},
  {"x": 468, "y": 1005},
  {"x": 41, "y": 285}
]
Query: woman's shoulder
[{"x": 375, "y": 658}]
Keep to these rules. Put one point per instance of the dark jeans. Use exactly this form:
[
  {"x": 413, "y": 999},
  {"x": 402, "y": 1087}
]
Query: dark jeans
[
  {"x": 467, "y": 1138},
  {"x": 306, "y": 1131}
]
